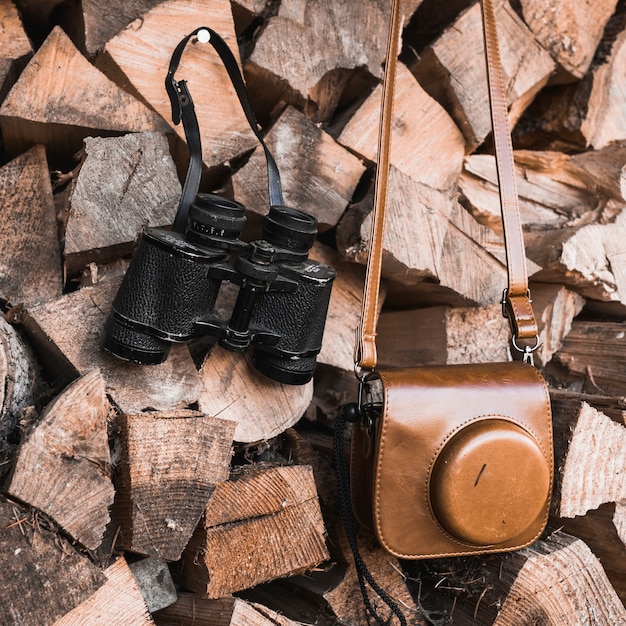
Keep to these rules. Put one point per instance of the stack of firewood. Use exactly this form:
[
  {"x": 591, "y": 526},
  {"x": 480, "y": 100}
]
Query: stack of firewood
[{"x": 198, "y": 491}]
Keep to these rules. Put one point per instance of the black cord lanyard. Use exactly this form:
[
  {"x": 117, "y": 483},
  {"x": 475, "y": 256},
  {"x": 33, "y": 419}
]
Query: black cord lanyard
[{"x": 183, "y": 109}]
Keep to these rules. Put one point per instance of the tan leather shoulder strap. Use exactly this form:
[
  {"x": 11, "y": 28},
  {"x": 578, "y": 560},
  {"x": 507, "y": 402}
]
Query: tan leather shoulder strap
[
  {"x": 365, "y": 347},
  {"x": 516, "y": 299}
]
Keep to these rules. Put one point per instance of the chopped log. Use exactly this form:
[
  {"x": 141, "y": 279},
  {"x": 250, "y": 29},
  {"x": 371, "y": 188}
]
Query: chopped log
[
  {"x": 555, "y": 308},
  {"x": 154, "y": 580},
  {"x": 557, "y": 580},
  {"x": 598, "y": 529},
  {"x": 571, "y": 35},
  {"x": 193, "y": 610},
  {"x": 599, "y": 101},
  {"x": 124, "y": 183},
  {"x": 593, "y": 352},
  {"x": 590, "y": 457},
  {"x": 75, "y": 324},
  {"x": 276, "y": 508},
  {"x": 142, "y": 53},
  {"x": 430, "y": 152},
  {"x": 233, "y": 390},
  {"x": 102, "y": 22},
  {"x": 63, "y": 465},
  {"x": 315, "y": 75},
  {"x": 60, "y": 98},
  {"x": 44, "y": 577},
  {"x": 453, "y": 70},
  {"x": 19, "y": 379},
  {"x": 555, "y": 190},
  {"x": 30, "y": 267},
  {"x": 317, "y": 174},
  {"x": 170, "y": 465},
  {"x": 14, "y": 44},
  {"x": 118, "y": 601},
  {"x": 587, "y": 259},
  {"x": 430, "y": 237}
]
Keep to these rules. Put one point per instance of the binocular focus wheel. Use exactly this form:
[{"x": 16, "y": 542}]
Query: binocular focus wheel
[{"x": 489, "y": 483}]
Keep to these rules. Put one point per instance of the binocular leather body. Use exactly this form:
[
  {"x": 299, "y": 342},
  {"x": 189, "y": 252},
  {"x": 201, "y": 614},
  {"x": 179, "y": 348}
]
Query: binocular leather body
[
  {"x": 298, "y": 318},
  {"x": 165, "y": 290}
]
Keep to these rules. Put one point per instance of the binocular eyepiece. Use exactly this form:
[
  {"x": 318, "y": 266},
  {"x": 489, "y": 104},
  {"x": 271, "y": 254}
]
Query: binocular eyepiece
[{"x": 171, "y": 286}]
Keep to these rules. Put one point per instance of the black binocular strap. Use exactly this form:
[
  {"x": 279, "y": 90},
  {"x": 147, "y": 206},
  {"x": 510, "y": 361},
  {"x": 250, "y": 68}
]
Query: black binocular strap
[{"x": 182, "y": 108}]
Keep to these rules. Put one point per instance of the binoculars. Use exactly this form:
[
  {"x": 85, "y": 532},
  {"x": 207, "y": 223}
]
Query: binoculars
[
  {"x": 170, "y": 288},
  {"x": 172, "y": 283}
]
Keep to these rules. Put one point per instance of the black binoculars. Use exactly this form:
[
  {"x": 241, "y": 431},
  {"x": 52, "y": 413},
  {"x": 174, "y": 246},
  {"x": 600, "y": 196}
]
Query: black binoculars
[{"x": 170, "y": 288}]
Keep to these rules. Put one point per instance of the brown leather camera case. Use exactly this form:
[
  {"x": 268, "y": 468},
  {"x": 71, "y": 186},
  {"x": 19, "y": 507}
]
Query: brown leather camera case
[{"x": 459, "y": 462}]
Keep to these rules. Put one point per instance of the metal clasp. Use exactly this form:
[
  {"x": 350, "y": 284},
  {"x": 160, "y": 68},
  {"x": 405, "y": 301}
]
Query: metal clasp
[{"x": 527, "y": 351}]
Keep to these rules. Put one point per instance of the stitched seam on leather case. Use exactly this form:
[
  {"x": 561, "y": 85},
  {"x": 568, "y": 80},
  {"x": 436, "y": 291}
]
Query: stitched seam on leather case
[{"x": 379, "y": 456}]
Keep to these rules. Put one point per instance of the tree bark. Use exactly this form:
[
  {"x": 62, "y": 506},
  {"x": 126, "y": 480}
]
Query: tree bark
[{"x": 60, "y": 98}]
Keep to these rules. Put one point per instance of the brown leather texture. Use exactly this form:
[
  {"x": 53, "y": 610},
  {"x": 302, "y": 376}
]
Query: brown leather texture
[{"x": 460, "y": 460}]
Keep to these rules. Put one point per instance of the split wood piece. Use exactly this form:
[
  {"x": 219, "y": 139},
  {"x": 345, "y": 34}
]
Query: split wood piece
[
  {"x": 124, "y": 183},
  {"x": 597, "y": 107},
  {"x": 103, "y": 21},
  {"x": 590, "y": 454},
  {"x": 555, "y": 308},
  {"x": 19, "y": 378},
  {"x": 598, "y": 529},
  {"x": 453, "y": 70},
  {"x": 430, "y": 151},
  {"x": 63, "y": 465},
  {"x": 344, "y": 309},
  {"x": 444, "y": 335},
  {"x": 430, "y": 237},
  {"x": 74, "y": 324},
  {"x": 595, "y": 353},
  {"x": 344, "y": 595},
  {"x": 118, "y": 601},
  {"x": 276, "y": 508},
  {"x": 555, "y": 190},
  {"x": 142, "y": 53},
  {"x": 171, "y": 463},
  {"x": 44, "y": 577},
  {"x": 60, "y": 98},
  {"x": 154, "y": 580},
  {"x": 15, "y": 47},
  {"x": 571, "y": 35},
  {"x": 233, "y": 390},
  {"x": 309, "y": 53},
  {"x": 193, "y": 610},
  {"x": 588, "y": 259},
  {"x": 30, "y": 261},
  {"x": 555, "y": 581},
  {"x": 318, "y": 175}
]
